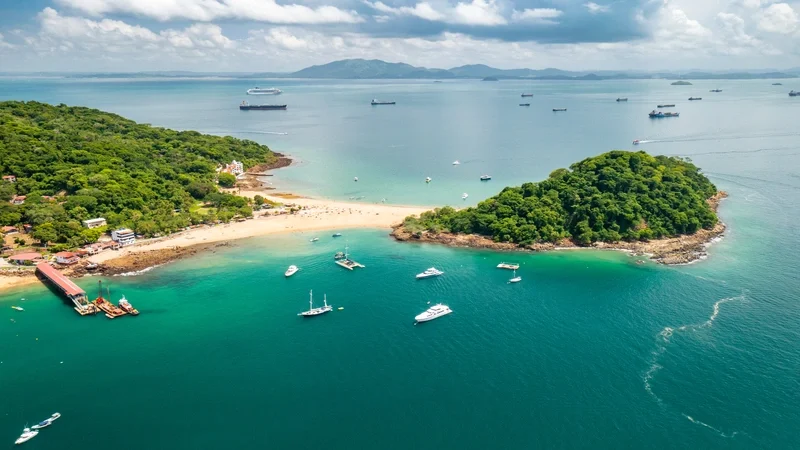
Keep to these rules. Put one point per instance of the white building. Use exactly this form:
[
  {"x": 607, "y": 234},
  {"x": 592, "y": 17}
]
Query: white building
[
  {"x": 123, "y": 236},
  {"x": 235, "y": 168},
  {"x": 94, "y": 223}
]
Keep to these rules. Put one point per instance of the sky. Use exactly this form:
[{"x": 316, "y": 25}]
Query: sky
[{"x": 287, "y": 35}]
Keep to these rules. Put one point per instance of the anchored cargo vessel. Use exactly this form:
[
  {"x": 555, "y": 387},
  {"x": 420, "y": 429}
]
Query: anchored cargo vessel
[{"x": 246, "y": 107}]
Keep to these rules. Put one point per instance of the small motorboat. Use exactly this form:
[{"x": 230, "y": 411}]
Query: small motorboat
[
  {"x": 47, "y": 422},
  {"x": 339, "y": 255},
  {"x": 341, "y": 308},
  {"x": 515, "y": 279},
  {"x": 291, "y": 270},
  {"x": 314, "y": 239},
  {"x": 636, "y": 142},
  {"x": 27, "y": 435},
  {"x": 355, "y": 178},
  {"x": 18, "y": 308},
  {"x": 486, "y": 177},
  {"x": 464, "y": 196},
  {"x": 427, "y": 179},
  {"x": 337, "y": 235},
  {"x": 455, "y": 163}
]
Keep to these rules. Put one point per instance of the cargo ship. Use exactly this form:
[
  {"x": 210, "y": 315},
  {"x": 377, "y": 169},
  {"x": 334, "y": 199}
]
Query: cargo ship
[
  {"x": 715, "y": 90},
  {"x": 246, "y": 107},
  {"x": 559, "y": 109},
  {"x": 659, "y": 114},
  {"x": 695, "y": 98},
  {"x": 378, "y": 102},
  {"x": 666, "y": 106},
  {"x": 527, "y": 95},
  {"x": 524, "y": 104},
  {"x": 793, "y": 93},
  {"x": 622, "y": 99}
]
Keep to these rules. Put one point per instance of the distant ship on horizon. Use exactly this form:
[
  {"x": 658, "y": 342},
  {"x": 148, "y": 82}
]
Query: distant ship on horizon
[{"x": 263, "y": 91}]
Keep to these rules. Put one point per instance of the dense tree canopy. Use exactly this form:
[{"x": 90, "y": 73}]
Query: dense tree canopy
[
  {"x": 76, "y": 163},
  {"x": 615, "y": 196}
]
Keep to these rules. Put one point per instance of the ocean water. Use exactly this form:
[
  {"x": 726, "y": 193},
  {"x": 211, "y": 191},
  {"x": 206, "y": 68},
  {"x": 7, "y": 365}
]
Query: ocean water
[{"x": 591, "y": 350}]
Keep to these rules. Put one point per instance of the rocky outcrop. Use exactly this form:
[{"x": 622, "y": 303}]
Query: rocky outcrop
[{"x": 673, "y": 250}]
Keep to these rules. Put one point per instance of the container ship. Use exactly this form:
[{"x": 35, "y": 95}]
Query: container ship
[
  {"x": 246, "y": 107},
  {"x": 378, "y": 102},
  {"x": 667, "y": 106}
]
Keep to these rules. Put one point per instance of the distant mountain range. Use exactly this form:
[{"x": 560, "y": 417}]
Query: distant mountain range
[{"x": 377, "y": 69}]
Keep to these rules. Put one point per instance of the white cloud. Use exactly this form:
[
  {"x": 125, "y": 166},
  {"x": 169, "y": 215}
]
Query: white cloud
[
  {"x": 594, "y": 8},
  {"x": 479, "y": 12},
  {"x": 3, "y": 43},
  {"x": 209, "y": 10},
  {"x": 541, "y": 15},
  {"x": 422, "y": 10},
  {"x": 65, "y": 27},
  {"x": 286, "y": 40},
  {"x": 779, "y": 18}
]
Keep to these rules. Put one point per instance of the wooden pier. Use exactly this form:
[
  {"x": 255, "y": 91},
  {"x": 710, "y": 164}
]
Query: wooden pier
[{"x": 68, "y": 288}]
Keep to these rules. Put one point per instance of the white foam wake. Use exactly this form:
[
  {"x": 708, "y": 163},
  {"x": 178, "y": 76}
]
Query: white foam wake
[
  {"x": 137, "y": 272},
  {"x": 662, "y": 343}
]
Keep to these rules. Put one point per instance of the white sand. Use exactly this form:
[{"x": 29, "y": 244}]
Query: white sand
[{"x": 318, "y": 215}]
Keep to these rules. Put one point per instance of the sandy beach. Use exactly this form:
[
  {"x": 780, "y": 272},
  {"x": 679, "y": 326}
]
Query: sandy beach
[{"x": 315, "y": 215}]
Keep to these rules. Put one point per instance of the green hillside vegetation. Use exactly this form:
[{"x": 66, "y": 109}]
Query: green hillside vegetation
[
  {"x": 97, "y": 164},
  {"x": 615, "y": 196}
]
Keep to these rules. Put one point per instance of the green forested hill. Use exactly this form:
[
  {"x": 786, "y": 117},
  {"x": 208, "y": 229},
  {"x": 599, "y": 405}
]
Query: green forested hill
[
  {"x": 615, "y": 196},
  {"x": 132, "y": 174}
]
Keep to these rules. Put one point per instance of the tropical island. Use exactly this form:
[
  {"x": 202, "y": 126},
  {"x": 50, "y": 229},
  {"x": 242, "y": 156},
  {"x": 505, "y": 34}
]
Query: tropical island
[
  {"x": 64, "y": 167},
  {"x": 681, "y": 83},
  {"x": 658, "y": 205}
]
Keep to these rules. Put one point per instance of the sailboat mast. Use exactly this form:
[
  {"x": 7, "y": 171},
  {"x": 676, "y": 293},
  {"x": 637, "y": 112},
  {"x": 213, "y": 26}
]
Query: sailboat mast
[{"x": 311, "y": 299}]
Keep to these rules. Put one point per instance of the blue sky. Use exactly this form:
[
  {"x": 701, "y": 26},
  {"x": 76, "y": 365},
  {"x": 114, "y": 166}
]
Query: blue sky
[{"x": 282, "y": 35}]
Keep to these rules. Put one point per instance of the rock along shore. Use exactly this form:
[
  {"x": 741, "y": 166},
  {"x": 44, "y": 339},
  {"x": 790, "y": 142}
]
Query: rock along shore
[{"x": 674, "y": 250}]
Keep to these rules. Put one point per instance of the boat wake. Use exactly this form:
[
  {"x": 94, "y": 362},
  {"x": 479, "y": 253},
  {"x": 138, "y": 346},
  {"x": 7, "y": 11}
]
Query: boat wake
[
  {"x": 662, "y": 344},
  {"x": 138, "y": 272},
  {"x": 727, "y": 137}
]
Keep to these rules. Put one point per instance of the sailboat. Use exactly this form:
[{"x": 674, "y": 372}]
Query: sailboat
[
  {"x": 316, "y": 311},
  {"x": 516, "y": 279}
]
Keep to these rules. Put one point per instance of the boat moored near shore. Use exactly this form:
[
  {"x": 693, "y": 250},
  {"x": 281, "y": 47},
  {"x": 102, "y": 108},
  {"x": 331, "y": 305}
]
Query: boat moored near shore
[
  {"x": 27, "y": 435},
  {"x": 432, "y": 272},
  {"x": 434, "y": 312}
]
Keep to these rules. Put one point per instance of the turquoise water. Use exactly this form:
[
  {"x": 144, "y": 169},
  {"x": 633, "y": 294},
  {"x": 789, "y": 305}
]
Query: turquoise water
[{"x": 589, "y": 351}]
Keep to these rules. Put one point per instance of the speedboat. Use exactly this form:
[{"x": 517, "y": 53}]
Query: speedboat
[
  {"x": 27, "y": 435},
  {"x": 510, "y": 266},
  {"x": 455, "y": 163},
  {"x": 515, "y": 279},
  {"x": 18, "y": 308},
  {"x": 486, "y": 177},
  {"x": 427, "y": 179},
  {"x": 315, "y": 239},
  {"x": 355, "y": 178},
  {"x": 434, "y": 312},
  {"x": 635, "y": 142},
  {"x": 47, "y": 422},
  {"x": 432, "y": 272},
  {"x": 291, "y": 270},
  {"x": 464, "y": 196},
  {"x": 263, "y": 91},
  {"x": 316, "y": 311},
  {"x": 339, "y": 255},
  {"x": 336, "y": 234}
]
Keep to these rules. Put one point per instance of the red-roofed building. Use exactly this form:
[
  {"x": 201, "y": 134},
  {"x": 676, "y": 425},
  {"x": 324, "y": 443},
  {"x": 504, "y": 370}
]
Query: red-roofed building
[
  {"x": 9, "y": 229},
  {"x": 18, "y": 200},
  {"x": 67, "y": 258},
  {"x": 25, "y": 258},
  {"x": 10, "y": 178}
]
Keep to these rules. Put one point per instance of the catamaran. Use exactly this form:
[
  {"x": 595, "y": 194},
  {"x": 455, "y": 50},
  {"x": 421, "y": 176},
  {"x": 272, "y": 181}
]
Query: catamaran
[
  {"x": 432, "y": 272},
  {"x": 511, "y": 266},
  {"x": 291, "y": 270},
  {"x": 516, "y": 279},
  {"x": 27, "y": 435},
  {"x": 47, "y": 422},
  {"x": 434, "y": 312},
  {"x": 316, "y": 311}
]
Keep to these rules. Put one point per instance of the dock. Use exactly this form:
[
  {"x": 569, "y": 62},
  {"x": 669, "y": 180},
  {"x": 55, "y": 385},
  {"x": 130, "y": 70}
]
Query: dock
[{"x": 68, "y": 288}]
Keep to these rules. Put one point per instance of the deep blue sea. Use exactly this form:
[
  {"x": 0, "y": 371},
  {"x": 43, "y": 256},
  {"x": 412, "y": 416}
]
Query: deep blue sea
[{"x": 590, "y": 351}]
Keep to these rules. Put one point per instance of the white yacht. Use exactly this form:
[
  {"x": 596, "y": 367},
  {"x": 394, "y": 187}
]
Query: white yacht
[
  {"x": 47, "y": 422},
  {"x": 515, "y": 279},
  {"x": 26, "y": 436},
  {"x": 263, "y": 91},
  {"x": 432, "y": 272},
  {"x": 315, "y": 311},
  {"x": 427, "y": 179},
  {"x": 510, "y": 266},
  {"x": 455, "y": 163},
  {"x": 486, "y": 177},
  {"x": 18, "y": 308},
  {"x": 291, "y": 270},
  {"x": 355, "y": 178},
  {"x": 464, "y": 196},
  {"x": 434, "y": 312}
]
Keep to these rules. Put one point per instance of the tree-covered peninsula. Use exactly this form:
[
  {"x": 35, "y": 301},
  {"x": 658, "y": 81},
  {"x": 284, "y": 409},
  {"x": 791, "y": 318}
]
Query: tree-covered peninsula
[
  {"x": 616, "y": 196},
  {"x": 64, "y": 164}
]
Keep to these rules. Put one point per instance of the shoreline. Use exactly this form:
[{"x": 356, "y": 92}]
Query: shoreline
[{"x": 679, "y": 250}]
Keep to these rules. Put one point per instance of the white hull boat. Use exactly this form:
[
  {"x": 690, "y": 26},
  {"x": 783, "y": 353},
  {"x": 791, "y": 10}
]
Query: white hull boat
[
  {"x": 515, "y": 279},
  {"x": 434, "y": 312},
  {"x": 316, "y": 311},
  {"x": 47, "y": 422},
  {"x": 26, "y": 436},
  {"x": 291, "y": 271},
  {"x": 432, "y": 272}
]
